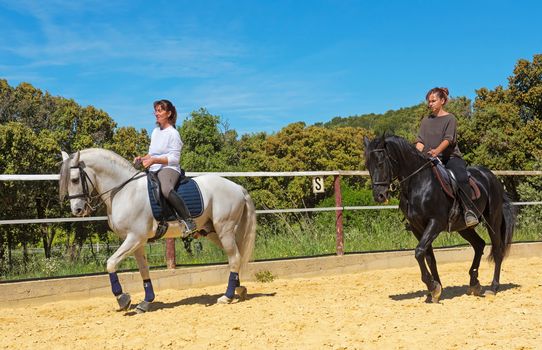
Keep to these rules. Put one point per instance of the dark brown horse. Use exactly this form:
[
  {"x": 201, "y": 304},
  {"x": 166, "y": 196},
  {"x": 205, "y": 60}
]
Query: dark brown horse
[{"x": 427, "y": 207}]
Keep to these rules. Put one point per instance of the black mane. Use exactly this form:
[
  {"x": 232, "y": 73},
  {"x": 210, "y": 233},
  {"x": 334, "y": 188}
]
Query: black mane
[{"x": 406, "y": 149}]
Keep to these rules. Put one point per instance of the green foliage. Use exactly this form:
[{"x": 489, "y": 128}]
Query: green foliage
[
  {"x": 34, "y": 128},
  {"x": 505, "y": 131},
  {"x": 129, "y": 143},
  {"x": 264, "y": 276},
  {"x": 298, "y": 147},
  {"x": 206, "y": 147}
]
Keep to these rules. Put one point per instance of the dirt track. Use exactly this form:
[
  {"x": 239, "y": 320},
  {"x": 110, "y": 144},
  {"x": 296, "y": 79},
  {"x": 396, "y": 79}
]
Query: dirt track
[{"x": 369, "y": 310}]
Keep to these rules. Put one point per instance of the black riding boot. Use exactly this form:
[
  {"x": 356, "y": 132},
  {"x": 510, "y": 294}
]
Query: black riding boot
[
  {"x": 471, "y": 219},
  {"x": 183, "y": 215}
]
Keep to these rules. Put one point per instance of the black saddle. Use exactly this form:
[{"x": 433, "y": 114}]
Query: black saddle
[{"x": 448, "y": 182}]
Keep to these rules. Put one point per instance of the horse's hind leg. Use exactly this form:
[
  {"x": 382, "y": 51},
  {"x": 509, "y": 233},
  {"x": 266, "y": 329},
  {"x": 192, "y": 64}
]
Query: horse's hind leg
[
  {"x": 431, "y": 231},
  {"x": 226, "y": 235},
  {"x": 478, "y": 245}
]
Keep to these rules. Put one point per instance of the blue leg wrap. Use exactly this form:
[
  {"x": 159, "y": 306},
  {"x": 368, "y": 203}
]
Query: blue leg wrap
[
  {"x": 233, "y": 282},
  {"x": 149, "y": 292},
  {"x": 115, "y": 284}
]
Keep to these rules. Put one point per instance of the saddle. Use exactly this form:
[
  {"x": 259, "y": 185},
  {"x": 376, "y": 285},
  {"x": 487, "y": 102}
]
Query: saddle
[
  {"x": 187, "y": 189},
  {"x": 449, "y": 185},
  {"x": 447, "y": 181}
]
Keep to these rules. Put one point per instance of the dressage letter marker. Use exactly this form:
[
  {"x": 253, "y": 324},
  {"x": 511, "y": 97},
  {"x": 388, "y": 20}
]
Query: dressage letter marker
[{"x": 318, "y": 184}]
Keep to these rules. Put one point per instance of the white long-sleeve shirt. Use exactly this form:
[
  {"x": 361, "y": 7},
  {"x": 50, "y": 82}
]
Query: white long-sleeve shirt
[{"x": 166, "y": 143}]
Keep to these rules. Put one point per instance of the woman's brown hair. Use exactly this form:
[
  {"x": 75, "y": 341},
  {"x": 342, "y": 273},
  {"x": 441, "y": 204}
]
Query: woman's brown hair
[
  {"x": 168, "y": 107},
  {"x": 441, "y": 92}
]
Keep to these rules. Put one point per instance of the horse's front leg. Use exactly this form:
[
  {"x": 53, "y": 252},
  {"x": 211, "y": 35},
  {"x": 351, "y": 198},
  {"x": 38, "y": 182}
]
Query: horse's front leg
[
  {"x": 424, "y": 251},
  {"x": 432, "y": 262},
  {"x": 130, "y": 244},
  {"x": 143, "y": 266}
]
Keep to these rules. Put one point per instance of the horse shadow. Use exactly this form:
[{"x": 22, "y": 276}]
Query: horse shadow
[
  {"x": 205, "y": 299},
  {"x": 448, "y": 293}
]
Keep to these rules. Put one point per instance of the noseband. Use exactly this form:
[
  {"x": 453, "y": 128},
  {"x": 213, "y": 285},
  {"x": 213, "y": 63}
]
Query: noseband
[{"x": 83, "y": 176}]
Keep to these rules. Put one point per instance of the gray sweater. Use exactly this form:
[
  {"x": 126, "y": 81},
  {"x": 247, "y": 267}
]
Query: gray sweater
[{"x": 434, "y": 130}]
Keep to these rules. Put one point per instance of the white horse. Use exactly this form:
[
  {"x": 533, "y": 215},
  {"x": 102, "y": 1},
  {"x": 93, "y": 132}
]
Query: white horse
[{"x": 229, "y": 216}]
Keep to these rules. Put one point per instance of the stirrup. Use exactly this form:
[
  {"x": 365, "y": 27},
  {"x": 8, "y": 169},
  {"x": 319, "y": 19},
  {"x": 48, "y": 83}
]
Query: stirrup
[
  {"x": 470, "y": 218},
  {"x": 188, "y": 225}
]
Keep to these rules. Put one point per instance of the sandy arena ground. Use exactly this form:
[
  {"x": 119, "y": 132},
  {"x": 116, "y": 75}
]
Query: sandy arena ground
[{"x": 369, "y": 310}]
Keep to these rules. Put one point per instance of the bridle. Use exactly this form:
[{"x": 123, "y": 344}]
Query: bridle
[
  {"x": 83, "y": 177},
  {"x": 388, "y": 180}
]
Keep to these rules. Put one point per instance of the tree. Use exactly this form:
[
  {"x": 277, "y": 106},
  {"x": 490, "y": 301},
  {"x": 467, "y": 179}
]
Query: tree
[
  {"x": 505, "y": 129},
  {"x": 35, "y": 127},
  {"x": 206, "y": 147},
  {"x": 129, "y": 143},
  {"x": 297, "y": 147}
]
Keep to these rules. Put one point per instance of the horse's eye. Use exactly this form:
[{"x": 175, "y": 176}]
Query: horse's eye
[{"x": 76, "y": 180}]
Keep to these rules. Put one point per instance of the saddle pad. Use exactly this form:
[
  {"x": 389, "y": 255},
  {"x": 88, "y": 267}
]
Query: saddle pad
[{"x": 189, "y": 192}]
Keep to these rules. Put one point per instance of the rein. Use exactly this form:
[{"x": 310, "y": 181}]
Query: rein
[
  {"x": 390, "y": 179},
  {"x": 86, "y": 194},
  {"x": 415, "y": 172}
]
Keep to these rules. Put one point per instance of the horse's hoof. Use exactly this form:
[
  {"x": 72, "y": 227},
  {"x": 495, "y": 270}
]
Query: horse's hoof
[
  {"x": 241, "y": 291},
  {"x": 475, "y": 290},
  {"x": 489, "y": 293},
  {"x": 224, "y": 300},
  {"x": 124, "y": 301},
  {"x": 436, "y": 292},
  {"x": 142, "y": 307}
]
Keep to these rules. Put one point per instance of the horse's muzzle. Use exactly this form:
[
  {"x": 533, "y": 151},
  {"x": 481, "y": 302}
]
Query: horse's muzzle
[
  {"x": 380, "y": 196},
  {"x": 79, "y": 210}
]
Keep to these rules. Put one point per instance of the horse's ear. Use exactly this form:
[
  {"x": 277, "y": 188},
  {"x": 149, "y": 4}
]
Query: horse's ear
[
  {"x": 65, "y": 155},
  {"x": 366, "y": 141},
  {"x": 382, "y": 140},
  {"x": 76, "y": 157}
]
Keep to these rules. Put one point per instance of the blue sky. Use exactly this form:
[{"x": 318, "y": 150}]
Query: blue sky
[{"x": 261, "y": 65}]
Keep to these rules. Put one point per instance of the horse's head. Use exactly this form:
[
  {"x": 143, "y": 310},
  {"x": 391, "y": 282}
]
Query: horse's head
[
  {"x": 76, "y": 183},
  {"x": 377, "y": 162}
]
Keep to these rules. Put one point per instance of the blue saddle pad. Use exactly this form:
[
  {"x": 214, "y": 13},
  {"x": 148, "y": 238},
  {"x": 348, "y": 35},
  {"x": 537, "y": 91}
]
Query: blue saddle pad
[{"x": 189, "y": 192}]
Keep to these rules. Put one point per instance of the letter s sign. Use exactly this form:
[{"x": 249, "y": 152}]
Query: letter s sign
[{"x": 318, "y": 184}]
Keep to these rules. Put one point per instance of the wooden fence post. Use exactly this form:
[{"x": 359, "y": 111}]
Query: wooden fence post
[
  {"x": 170, "y": 253},
  {"x": 339, "y": 215}
]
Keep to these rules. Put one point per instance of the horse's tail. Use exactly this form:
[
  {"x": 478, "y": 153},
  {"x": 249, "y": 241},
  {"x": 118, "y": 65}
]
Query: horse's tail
[
  {"x": 246, "y": 231},
  {"x": 508, "y": 224}
]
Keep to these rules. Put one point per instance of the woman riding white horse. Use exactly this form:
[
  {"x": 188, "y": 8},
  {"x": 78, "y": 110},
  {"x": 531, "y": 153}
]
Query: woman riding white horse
[{"x": 228, "y": 216}]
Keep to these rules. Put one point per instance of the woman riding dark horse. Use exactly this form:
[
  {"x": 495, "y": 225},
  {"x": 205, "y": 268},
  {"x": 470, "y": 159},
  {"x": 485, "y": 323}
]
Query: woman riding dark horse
[
  {"x": 427, "y": 208},
  {"x": 438, "y": 138}
]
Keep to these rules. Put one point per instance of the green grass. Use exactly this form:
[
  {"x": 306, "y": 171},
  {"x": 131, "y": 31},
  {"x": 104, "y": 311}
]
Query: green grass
[{"x": 282, "y": 236}]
